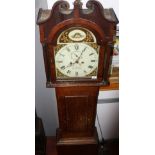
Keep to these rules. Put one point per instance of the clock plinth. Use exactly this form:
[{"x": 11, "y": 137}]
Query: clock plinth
[
  {"x": 78, "y": 144},
  {"x": 77, "y": 45}
]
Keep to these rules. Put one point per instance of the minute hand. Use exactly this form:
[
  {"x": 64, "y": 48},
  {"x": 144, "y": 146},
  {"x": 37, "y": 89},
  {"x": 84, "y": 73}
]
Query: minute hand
[{"x": 81, "y": 54}]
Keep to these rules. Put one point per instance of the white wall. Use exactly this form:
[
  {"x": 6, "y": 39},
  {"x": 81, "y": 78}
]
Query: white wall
[
  {"x": 108, "y": 114},
  {"x": 45, "y": 101},
  {"x": 45, "y": 97}
]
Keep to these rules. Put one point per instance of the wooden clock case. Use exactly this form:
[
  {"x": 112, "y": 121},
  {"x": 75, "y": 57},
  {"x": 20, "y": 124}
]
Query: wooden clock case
[{"x": 77, "y": 98}]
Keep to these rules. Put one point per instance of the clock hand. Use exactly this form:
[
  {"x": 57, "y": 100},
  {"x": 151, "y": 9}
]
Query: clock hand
[
  {"x": 72, "y": 63},
  {"x": 82, "y": 52},
  {"x": 69, "y": 65},
  {"x": 76, "y": 55},
  {"x": 77, "y": 61},
  {"x": 80, "y": 63}
]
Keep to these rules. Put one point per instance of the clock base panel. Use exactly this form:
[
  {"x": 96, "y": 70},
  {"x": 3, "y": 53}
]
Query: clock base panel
[{"x": 77, "y": 145}]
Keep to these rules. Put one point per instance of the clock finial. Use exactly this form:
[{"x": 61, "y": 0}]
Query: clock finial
[
  {"x": 78, "y": 1},
  {"x": 77, "y": 7}
]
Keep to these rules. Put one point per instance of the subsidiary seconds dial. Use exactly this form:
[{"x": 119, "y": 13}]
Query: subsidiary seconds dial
[{"x": 77, "y": 60}]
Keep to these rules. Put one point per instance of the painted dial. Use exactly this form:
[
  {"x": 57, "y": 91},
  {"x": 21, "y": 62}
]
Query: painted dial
[{"x": 76, "y": 60}]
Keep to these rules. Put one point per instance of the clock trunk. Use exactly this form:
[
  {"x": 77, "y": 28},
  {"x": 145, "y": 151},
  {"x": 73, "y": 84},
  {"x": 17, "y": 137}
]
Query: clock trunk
[{"x": 77, "y": 111}]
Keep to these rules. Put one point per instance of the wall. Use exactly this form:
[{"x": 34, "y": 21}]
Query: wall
[
  {"x": 108, "y": 114},
  {"x": 45, "y": 98}
]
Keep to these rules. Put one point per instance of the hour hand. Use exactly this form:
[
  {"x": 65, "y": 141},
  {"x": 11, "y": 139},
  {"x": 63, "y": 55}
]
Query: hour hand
[{"x": 76, "y": 55}]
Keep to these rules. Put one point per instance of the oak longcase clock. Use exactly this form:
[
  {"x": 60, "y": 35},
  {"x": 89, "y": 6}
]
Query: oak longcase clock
[{"x": 77, "y": 45}]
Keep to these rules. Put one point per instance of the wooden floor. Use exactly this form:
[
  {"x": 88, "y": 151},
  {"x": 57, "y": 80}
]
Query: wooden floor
[{"x": 111, "y": 147}]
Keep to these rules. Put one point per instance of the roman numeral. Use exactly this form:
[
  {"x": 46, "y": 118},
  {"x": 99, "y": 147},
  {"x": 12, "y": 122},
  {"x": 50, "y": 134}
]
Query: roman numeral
[
  {"x": 76, "y": 46},
  {"x": 84, "y": 49},
  {"x": 91, "y": 54},
  {"x": 76, "y": 73},
  {"x": 93, "y": 60},
  {"x": 68, "y": 72},
  {"x": 90, "y": 66},
  {"x": 85, "y": 71},
  {"x": 59, "y": 61},
  {"x": 62, "y": 67},
  {"x": 62, "y": 54},
  {"x": 67, "y": 48}
]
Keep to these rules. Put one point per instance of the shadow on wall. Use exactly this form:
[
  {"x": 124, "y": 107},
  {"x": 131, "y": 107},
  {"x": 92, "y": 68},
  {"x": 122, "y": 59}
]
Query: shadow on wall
[{"x": 45, "y": 100}]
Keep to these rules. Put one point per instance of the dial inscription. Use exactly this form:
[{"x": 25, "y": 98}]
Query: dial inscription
[{"x": 77, "y": 35}]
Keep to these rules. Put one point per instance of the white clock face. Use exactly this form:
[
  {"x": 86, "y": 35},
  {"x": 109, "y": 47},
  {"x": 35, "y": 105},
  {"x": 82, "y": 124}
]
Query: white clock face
[{"x": 77, "y": 60}]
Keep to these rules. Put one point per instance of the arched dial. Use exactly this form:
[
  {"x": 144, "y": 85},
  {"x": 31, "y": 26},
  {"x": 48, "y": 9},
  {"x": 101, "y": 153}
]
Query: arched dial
[{"x": 77, "y": 60}]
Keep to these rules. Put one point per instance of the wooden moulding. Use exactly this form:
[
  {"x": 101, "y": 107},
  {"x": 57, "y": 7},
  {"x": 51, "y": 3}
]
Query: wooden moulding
[
  {"x": 79, "y": 140},
  {"x": 77, "y": 146}
]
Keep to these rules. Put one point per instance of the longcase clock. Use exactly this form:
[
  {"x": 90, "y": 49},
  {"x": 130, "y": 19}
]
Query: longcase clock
[{"x": 77, "y": 45}]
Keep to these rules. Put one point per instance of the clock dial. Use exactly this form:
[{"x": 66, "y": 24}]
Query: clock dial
[{"x": 77, "y": 60}]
